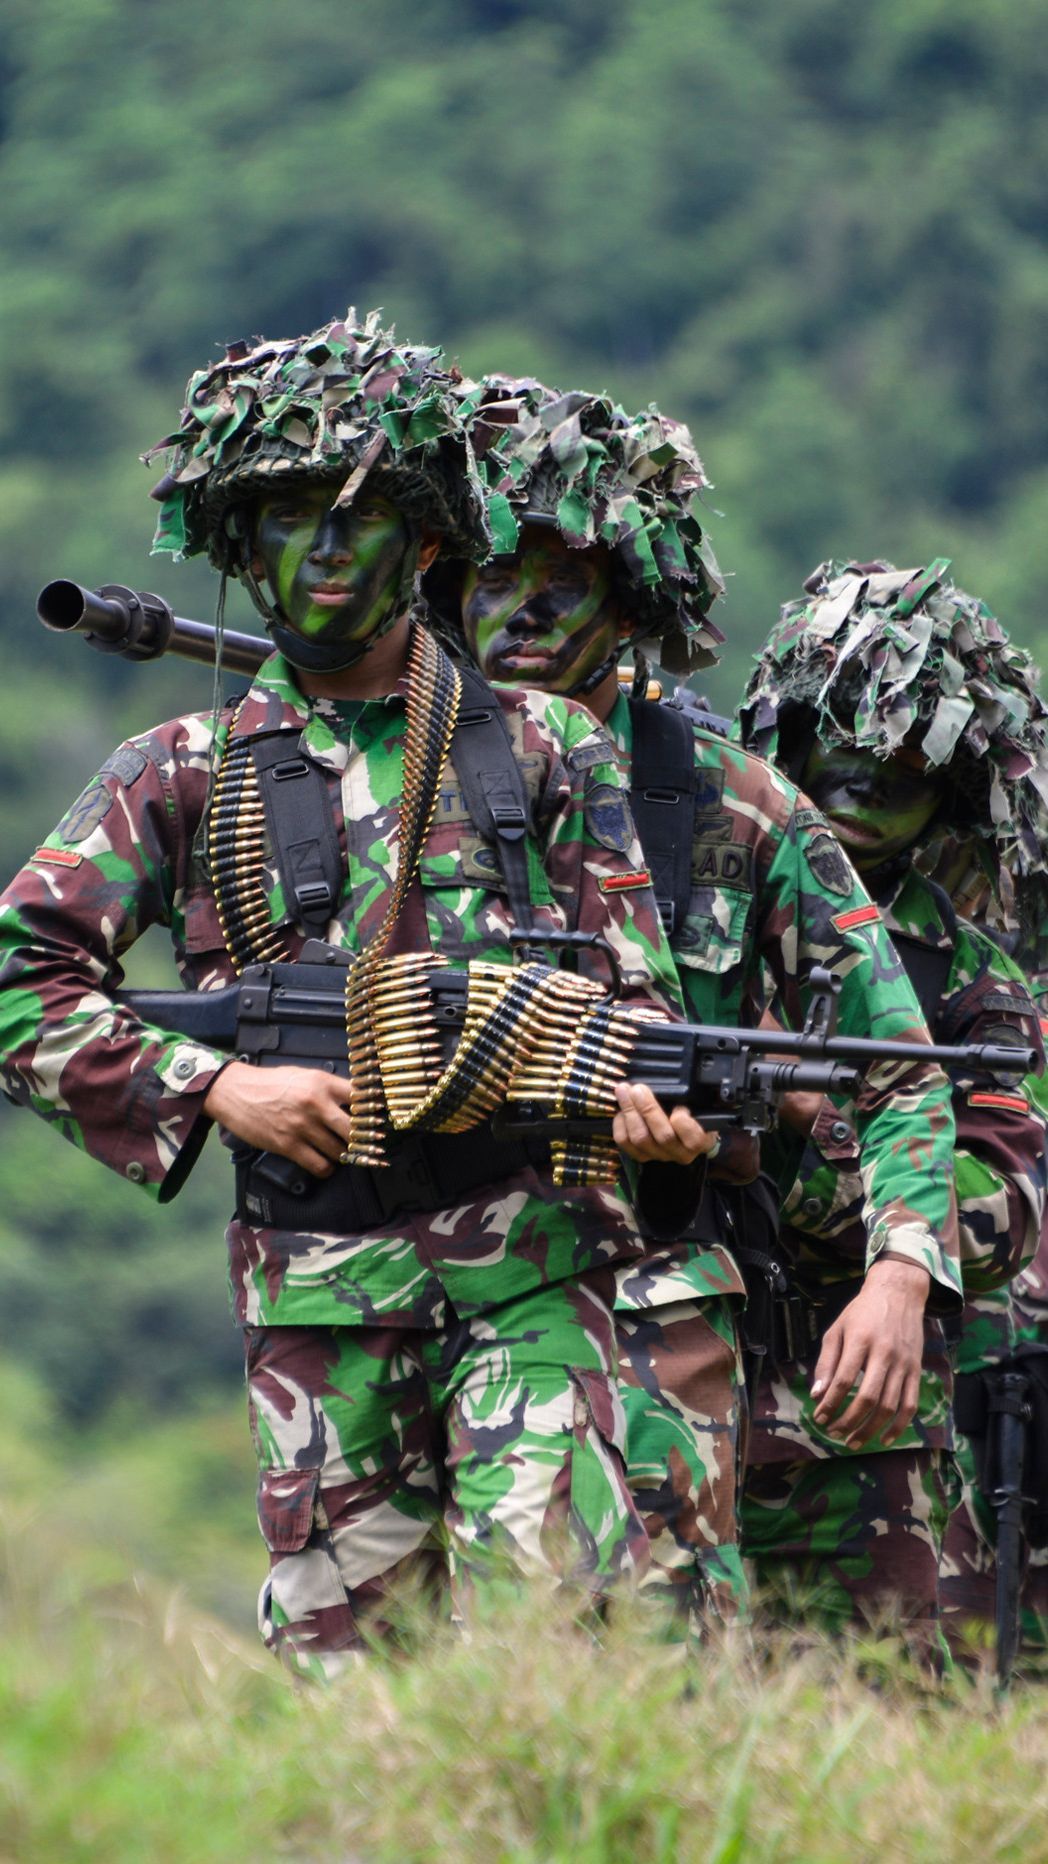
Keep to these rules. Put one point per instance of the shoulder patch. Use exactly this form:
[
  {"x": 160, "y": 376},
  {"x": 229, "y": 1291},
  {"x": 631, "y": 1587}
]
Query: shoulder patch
[
  {"x": 1017, "y": 1004},
  {"x": 590, "y": 752},
  {"x": 811, "y": 818},
  {"x": 86, "y": 814},
  {"x": 867, "y": 915},
  {"x": 608, "y": 818},
  {"x": 829, "y": 864},
  {"x": 127, "y": 764}
]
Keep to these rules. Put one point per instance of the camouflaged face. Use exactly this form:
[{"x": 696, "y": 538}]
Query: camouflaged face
[
  {"x": 604, "y": 476},
  {"x": 873, "y": 657},
  {"x": 344, "y": 402}
]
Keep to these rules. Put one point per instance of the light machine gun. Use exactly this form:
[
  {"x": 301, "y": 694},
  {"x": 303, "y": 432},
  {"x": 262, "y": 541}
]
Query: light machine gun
[{"x": 532, "y": 1049}]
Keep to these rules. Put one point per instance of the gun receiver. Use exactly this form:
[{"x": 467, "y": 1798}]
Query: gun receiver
[{"x": 141, "y": 626}]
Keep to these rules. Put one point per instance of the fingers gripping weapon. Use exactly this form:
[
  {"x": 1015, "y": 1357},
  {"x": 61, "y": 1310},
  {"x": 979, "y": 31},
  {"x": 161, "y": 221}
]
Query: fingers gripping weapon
[
  {"x": 533, "y": 1048},
  {"x": 140, "y": 626}
]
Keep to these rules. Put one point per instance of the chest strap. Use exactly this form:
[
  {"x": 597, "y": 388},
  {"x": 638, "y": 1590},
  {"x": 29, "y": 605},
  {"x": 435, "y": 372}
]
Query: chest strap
[
  {"x": 493, "y": 787},
  {"x": 662, "y": 798},
  {"x": 302, "y": 831}
]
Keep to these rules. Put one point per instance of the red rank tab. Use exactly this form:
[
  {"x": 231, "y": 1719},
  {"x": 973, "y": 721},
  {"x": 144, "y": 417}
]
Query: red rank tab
[
  {"x": 57, "y": 857},
  {"x": 622, "y": 883},
  {"x": 1014, "y": 1102},
  {"x": 857, "y": 916}
]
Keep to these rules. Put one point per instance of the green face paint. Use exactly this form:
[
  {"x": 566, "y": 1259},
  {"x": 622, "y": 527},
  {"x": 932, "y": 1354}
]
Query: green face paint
[
  {"x": 543, "y": 617},
  {"x": 335, "y": 575},
  {"x": 878, "y": 806}
]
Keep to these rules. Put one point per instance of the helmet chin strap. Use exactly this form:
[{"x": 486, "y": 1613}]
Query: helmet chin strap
[
  {"x": 592, "y": 680},
  {"x": 330, "y": 656}
]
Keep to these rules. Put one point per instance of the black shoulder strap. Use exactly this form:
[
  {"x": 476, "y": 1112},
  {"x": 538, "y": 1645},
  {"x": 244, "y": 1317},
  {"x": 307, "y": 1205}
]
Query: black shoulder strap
[
  {"x": 662, "y": 798},
  {"x": 301, "y": 828},
  {"x": 493, "y": 786},
  {"x": 928, "y": 966}
]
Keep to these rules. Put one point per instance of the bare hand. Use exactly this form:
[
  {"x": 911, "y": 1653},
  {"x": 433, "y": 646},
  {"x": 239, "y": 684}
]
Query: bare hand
[
  {"x": 877, "y": 1344},
  {"x": 299, "y": 1112},
  {"x": 645, "y": 1131}
]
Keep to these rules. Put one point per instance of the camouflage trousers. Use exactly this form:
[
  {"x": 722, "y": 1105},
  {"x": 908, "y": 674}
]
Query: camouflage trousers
[
  {"x": 852, "y": 1539},
  {"x": 678, "y": 1376},
  {"x": 385, "y": 1453}
]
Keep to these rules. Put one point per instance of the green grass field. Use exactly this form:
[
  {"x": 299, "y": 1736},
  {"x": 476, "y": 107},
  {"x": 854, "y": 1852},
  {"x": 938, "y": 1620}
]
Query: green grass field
[{"x": 138, "y": 1727}]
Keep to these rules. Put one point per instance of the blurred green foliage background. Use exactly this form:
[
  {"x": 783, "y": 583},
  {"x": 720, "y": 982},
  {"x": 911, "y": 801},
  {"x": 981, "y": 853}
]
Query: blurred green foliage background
[{"x": 815, "y": 231}]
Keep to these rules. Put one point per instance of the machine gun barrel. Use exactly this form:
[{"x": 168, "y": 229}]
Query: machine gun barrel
[{"x": 140, "y": 626}]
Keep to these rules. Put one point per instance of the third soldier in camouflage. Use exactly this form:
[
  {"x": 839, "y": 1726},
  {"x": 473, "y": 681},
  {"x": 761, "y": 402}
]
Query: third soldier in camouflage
[{"x": 894, "y": 699}]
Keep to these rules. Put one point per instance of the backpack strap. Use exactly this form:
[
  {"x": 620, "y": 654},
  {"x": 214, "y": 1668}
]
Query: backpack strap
[
  {"x": 485, "y": 761},
  {"x": 662, "y": 798},
  {"x": 302, "y": 832},
  {"x": 928, "y": 966}
]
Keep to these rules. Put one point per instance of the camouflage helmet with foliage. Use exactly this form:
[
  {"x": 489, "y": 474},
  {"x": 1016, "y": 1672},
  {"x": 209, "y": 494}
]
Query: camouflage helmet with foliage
[
  {"x": 579, "y": 462},
  {"x": 874, "y": 657},
  {"x": 342, "y": 403}
]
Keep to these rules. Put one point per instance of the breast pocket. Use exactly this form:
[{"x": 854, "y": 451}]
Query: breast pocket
[{"x": 713, "y": 936}]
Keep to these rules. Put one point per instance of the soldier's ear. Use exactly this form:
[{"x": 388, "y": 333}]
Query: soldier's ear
[{"x": 428, "y": 549}]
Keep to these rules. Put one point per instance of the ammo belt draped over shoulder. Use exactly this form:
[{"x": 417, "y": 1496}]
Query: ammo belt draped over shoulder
[{"x": 425, "y": 1172}]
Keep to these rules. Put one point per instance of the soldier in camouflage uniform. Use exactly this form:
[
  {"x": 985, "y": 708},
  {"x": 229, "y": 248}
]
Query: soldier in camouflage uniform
[
  {"x": 597, "y": 546},
  {"x": 441, "y": 1374},
  {"x": 893, "y": 698}
]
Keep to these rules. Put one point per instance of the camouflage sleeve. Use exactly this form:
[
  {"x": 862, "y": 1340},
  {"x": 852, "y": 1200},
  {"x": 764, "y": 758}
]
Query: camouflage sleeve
[
  {"x": 814, "y": 910},
  {"x": 593, "y": 857},
  {"x": 129, "y": 1094},
  {"x": 1000, "y": 1158}
]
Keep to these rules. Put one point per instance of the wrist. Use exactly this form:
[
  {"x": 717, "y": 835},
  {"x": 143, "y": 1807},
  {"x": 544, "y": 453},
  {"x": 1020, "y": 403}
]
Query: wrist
[{"x": 900, "y": 1272}]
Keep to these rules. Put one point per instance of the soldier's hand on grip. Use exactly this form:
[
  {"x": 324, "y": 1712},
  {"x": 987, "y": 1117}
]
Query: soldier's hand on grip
[{"x": 302, "y": 1113}]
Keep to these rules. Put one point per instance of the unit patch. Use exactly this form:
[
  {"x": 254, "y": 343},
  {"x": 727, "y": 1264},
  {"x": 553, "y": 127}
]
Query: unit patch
[
  {"x": 607, "y": 817},
  {"x": 709, "y": 789},
  {"x": 829, "y": 864},
  {"x": 85, "y": 815},
  {"x": 730, "y": 865}
]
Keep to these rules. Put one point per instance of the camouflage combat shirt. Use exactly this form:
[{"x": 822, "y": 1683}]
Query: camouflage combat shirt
[
  {"x": 127, "y": 855},
  {"x": 999, "y": 1176},
  {"x": 771, "y": 887}
]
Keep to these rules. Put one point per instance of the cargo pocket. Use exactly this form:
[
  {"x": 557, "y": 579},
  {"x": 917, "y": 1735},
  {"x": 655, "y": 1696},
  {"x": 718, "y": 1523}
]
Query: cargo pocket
[
  {"x": 304, "y": 1612},
  {"x": 607, "y": 1532}
]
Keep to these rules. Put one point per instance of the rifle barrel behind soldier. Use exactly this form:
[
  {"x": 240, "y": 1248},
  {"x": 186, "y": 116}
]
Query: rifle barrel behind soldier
[{"x": 140, "y": 626}]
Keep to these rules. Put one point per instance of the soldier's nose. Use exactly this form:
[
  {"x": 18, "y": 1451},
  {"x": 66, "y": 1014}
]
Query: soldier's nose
[{"x": 525, "y": 620}]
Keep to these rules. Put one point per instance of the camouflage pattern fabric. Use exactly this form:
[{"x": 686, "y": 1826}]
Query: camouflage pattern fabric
[
  {"x": 679, "y": 1382},
  {"x": 852, "y": 1540},
  {"x": 501, "y": 1437},
  {"x": 602, "y": 476},
  {"x": 126, "y": 856}
]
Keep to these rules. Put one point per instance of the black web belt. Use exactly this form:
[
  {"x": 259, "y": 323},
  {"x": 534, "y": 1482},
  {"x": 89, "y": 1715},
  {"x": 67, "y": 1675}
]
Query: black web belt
[{"x": 425, "y": 1172}]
